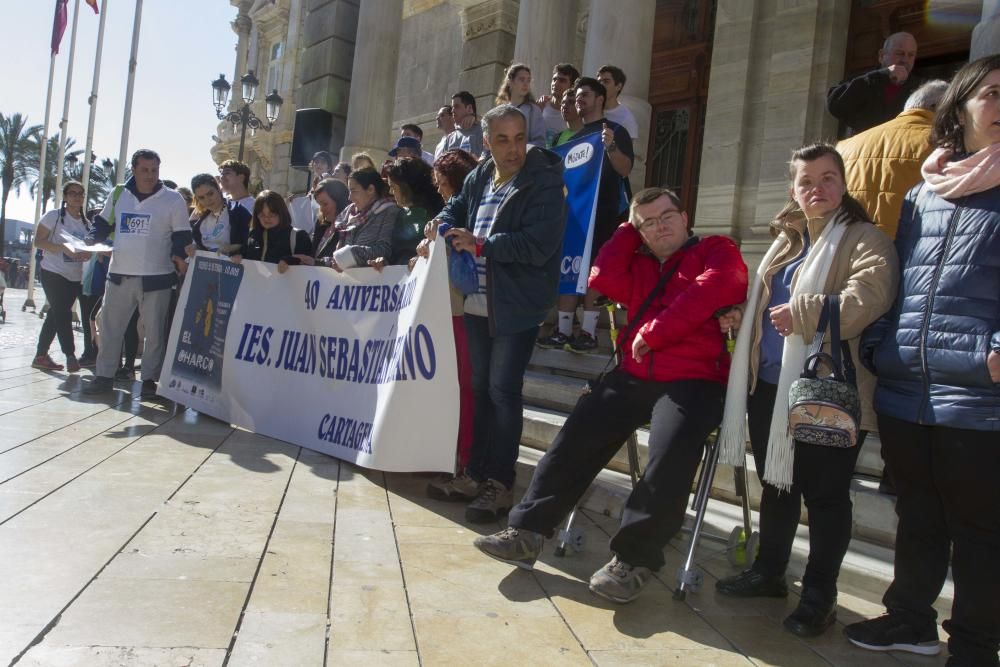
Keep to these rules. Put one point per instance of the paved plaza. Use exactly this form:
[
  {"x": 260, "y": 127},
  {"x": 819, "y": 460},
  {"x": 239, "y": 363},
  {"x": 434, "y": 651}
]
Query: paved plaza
[{"x": 139, "y": 533}]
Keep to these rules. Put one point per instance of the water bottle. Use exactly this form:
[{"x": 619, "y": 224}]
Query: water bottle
[{"x": 462, "y": 270}]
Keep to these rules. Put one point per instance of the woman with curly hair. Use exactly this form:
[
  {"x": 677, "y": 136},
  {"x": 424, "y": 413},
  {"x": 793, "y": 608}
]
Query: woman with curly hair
[{"x": 412, "y": 186}]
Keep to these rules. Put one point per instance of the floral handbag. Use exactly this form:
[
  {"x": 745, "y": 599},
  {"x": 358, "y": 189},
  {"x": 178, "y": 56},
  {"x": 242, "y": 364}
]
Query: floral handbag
[{"x": 826, "y": 410}]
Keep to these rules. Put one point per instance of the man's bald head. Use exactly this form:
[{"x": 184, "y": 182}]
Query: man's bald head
[{"x": 900, "y": 48}]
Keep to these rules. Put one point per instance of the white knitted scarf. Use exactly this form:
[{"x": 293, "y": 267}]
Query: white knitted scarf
[{"x": 810, "y": 279}]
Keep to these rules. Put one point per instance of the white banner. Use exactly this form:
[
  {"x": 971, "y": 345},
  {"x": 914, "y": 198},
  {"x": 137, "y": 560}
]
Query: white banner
[{"x": 358, "y": 365}]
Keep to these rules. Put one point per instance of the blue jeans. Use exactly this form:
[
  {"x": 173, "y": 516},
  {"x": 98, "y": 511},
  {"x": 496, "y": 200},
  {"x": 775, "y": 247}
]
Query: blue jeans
[{"x": 498, "y": 365}]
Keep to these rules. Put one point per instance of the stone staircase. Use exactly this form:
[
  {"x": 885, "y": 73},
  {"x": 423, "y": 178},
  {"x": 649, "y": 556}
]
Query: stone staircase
[{"x": 553, "y": 384}]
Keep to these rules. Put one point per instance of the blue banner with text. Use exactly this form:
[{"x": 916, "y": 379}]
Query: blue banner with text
[{"x": 583, "y": 159}]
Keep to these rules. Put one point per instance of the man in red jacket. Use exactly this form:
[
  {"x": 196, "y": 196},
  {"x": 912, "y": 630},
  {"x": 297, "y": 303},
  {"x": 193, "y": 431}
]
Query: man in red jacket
[{"x": 672, "y": 376}]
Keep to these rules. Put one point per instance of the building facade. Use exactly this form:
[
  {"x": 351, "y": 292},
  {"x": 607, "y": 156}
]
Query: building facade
[{"x": 722, "y": 90}]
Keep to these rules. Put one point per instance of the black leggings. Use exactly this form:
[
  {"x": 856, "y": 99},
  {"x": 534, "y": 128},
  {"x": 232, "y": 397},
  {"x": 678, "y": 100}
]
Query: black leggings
[
  {"x": 822, "y": 477},
  {"x": 60, "y": 294}
]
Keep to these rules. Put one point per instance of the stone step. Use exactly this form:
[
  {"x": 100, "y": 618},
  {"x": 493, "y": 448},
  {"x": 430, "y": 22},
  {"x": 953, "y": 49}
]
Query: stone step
[
  {"x": 867, "y": 566},
  {"x": 569, "y": 363},
  {"x": 874, "y": 513},
  {"x": 559, "y": 387}
]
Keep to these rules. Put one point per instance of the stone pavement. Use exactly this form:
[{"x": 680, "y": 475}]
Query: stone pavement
[{"x": 137, "y": 533}]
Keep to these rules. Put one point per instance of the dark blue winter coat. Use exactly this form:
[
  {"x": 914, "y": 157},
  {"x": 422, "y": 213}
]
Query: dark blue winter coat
[
  {"x": 930, "y": 350},
  {"x": 524, "y": 248}
]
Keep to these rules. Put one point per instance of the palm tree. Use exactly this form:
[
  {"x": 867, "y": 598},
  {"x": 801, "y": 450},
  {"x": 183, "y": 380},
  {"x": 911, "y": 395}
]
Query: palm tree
[
  {"x": 48, "y": 183},
  {"x": 18, "y": 152}
]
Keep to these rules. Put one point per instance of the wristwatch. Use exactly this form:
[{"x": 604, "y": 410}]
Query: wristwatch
[{"x": 612, "y": 147}]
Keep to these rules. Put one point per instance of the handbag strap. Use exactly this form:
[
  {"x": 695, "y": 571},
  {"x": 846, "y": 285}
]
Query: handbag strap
[
  {"x": 653, "y": 293},
  {"x": 840, "y": 351}
]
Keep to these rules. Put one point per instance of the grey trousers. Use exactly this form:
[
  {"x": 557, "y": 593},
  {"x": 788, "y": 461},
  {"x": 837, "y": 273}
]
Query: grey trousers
[{"x": 120, "y": 301}]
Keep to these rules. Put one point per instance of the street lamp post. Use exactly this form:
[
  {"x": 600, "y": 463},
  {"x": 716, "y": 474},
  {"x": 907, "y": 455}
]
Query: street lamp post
[{"x": 244, "y": 116}]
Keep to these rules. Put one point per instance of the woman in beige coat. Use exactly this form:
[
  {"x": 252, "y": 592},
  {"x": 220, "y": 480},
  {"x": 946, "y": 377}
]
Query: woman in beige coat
[{"x": 825, "y": 245}]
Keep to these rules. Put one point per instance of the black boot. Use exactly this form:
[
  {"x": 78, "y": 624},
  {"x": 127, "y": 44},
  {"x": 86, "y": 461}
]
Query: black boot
[
  {"x": 816, "y": 612},
  {"x": 751, "y": 584}
]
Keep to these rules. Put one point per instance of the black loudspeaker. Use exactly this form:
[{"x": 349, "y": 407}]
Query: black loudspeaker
[{"x": 313, "y": 129}]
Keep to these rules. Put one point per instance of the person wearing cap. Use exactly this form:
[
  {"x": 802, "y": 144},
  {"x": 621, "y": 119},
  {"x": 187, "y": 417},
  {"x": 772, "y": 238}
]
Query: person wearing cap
[
  {"x": 415, "y": 131},
  {"x": 407, "y": 147}
]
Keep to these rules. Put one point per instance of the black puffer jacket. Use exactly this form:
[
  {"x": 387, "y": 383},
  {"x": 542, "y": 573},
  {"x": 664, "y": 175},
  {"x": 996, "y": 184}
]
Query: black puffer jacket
[{"x": 276, "y": 244}]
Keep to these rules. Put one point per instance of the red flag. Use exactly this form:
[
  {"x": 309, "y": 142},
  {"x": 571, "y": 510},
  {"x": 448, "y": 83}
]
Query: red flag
[
  {"x": 58, "y": 25},
  {"x": 93, "y": 5}
]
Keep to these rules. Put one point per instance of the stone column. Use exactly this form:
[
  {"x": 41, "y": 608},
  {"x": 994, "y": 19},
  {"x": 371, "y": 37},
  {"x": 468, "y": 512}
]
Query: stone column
[
  {"x": 546, "y": 36},
  {"x": 488, "y": 31},
  {"x": 323, "y": 74},
  {"x": 241, "y": 26},
  {"x": 986, "y": 34},
  {"x": 772, "y": 63},
  {"x": 624, "y": 37},
  {"x": 376, "y": 56}
]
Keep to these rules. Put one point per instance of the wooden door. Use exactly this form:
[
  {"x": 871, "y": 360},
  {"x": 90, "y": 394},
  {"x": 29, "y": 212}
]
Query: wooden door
[
  {"x": 943, "y": 31},
  {"x": 678, "y": 91}
]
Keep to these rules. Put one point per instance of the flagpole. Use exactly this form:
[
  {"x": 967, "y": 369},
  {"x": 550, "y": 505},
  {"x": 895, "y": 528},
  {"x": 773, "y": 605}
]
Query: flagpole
[
  {"x": 88, "y": 154},
  {"x": 65, "y": 117},
  {"x": 126, "y": 121},
  {"x": 29, "y": 301}
]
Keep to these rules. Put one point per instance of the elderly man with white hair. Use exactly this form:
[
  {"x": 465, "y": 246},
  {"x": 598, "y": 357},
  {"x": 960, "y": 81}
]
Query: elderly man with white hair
[{"x": 877, "y": 95}]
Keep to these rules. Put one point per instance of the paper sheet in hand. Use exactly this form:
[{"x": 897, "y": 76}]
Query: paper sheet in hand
[{"x": 79, "y": 245}]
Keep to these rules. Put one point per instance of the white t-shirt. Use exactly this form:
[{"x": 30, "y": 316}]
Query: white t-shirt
[
  {"x": 143, "y": 231},
  {"x": 247, "y": 203},
  {"x": 215, "y": 229},
  {"x": 304, "y": 211},
  {"x": 61, "y": 263},
  {"x": 623, "y": 116},
  {"x": 440, "y": 146}
]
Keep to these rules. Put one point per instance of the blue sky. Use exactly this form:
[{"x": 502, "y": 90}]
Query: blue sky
[{"x": 184, "y": 45}]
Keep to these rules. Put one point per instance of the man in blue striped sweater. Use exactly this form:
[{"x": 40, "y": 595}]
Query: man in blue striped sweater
[{"x": 511, "y": 215}]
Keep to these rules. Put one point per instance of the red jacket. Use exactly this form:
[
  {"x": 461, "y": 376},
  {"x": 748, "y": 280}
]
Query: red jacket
[{"x": 679, "y": 326}]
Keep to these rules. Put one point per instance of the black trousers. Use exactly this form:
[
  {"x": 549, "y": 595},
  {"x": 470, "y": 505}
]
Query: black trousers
[
  {"x": 60, "y": 294},
  {"x": 681, "y": 415},
  {"x": 948, "y": 504},
  {"x": 821, "y": 476}
]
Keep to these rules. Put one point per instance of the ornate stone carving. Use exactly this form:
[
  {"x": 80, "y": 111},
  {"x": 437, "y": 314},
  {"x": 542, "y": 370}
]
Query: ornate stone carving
[
  {"x": 241, "y": 25},
  {"x": 271, "y": 19},
  {"x": 489, "y": 16}
]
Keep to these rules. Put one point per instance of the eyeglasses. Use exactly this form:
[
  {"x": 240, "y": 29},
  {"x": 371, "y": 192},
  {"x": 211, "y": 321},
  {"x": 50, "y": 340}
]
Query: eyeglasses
[
  {"x": 74, "y": 193},
  {"x": 666, "y": 219}
]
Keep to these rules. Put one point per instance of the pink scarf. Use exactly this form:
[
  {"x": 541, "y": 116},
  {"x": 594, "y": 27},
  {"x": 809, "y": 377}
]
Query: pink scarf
[{"x": 976, "y": 173}]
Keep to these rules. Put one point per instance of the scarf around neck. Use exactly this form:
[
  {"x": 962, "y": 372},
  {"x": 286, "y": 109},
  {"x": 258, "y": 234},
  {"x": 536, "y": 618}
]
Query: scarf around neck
[
  {"x": 951, "y": 178},
  {"x": 354, "y": 217},
  {"x": 810, "y": 279}
]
